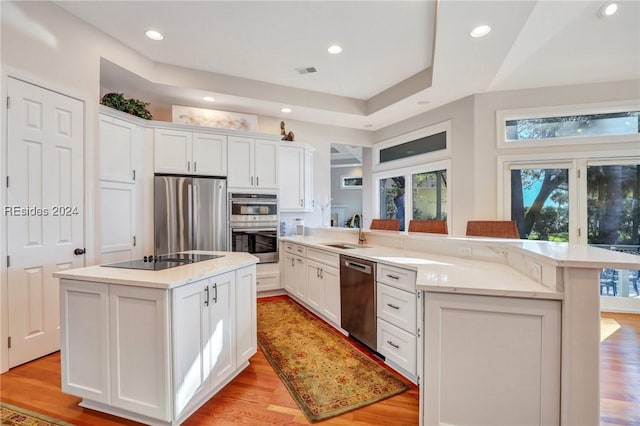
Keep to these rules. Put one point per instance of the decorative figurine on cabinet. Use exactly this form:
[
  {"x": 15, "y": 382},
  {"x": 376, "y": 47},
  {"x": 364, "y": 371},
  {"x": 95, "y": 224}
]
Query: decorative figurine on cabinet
[{"x": 285, "y": 136}]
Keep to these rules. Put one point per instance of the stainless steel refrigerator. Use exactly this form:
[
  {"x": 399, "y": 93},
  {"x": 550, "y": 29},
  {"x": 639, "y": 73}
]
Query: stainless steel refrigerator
[{"x": 190, "y": 213}]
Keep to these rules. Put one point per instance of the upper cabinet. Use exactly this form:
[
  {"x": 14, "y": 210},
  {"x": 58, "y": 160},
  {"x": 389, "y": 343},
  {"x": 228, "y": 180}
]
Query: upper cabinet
[
  {"x": 183, "y": 152},
  {"x": 296, "y": 179},
  {"x": 252, "y": 163},
  {"x": 119, "y": 144}
]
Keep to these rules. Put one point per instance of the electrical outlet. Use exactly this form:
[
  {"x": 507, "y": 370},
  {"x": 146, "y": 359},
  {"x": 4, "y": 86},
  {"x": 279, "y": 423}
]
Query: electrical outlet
[{"x": 465, "y": 251}]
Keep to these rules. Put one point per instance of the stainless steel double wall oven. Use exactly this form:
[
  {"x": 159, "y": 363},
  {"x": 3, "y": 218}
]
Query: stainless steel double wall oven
[{"x": 253, "y": 225}]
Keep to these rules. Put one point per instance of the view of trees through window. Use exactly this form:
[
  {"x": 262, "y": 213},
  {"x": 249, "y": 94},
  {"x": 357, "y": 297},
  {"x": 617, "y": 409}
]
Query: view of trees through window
[
  {"x": 392, "y": 199},
  {"x": 619, "y": 123},
  {"x": 540, "y": 203},
  {"x": 612, "y": 205},
  {"x": 428, "y": 197}
]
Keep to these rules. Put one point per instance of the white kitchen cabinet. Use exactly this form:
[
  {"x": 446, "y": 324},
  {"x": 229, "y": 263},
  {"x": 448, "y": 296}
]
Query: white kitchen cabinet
[
  {"x": 491, "y": 360},
  {"x": 151, "y": 354},
  {"x": 140, "y": 350},
  {"x": 246, "y": 314},
  {"x": 120, "y": 149},
  {"x": 252, "y": 163},
  {"x": 203, "y": 323},
  {"x": 294, "y": 275},
  {"x": 84, "y": 319},
  {"x": 318, "y": 286},
  {"x": 268, "y": 276},
  {"x": 398, "y": 309},
  {"x": 296, "y": 178},
  {"x": 315, "y": 285},
  {"x": 118, "y": 240},
  {"x": 184, "y": 152},
  {"x": 124, "y": 177}
]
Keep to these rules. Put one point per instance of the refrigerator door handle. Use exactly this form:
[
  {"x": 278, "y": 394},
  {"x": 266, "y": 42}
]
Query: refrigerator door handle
[{"x": 192, "y": 220}]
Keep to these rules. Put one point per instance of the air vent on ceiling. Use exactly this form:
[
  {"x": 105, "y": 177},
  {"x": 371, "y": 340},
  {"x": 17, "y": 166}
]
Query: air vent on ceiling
[{"x": 306, "y": 70}]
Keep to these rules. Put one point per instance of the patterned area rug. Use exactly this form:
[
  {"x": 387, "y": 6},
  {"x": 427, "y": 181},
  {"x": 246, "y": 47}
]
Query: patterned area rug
[
  {"x": 326, "y": 375},
  {"x": 12, "y": 415}
]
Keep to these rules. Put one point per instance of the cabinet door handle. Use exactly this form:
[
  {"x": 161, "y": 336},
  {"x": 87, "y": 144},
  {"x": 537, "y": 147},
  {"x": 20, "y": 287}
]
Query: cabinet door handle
[
  {"x": 251, "y": 180},
  {"x": 206, "y": 294},
  {"x": 301, "y": 202},
  {"x": 394, "y": 277},
  {"x": 134, "y": 174},
  {"x": 215, "y": 294},
  {"x": 293, "y": 262},
  {"x": 393, "y": 306},
  {"x": 195, "y": 166},
  {"x": 393, "y": 344},
  {"x": 257, "y": 180},
  {"x": 134, "y": 240},
  {"x": 188, "y": 166},
  {"x": 321, "y": 273},
  {"x": 317, "y": 272}
]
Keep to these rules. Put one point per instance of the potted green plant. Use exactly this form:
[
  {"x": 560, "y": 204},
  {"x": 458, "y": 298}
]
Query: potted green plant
[{"x": 129, "y": 105}]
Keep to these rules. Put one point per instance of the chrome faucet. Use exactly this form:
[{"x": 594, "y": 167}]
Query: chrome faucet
[{"x": 361, "y": 237}]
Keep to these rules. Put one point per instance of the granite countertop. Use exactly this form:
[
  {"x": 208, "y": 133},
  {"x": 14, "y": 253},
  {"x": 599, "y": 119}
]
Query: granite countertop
[
  {"x": 163, "y": 279},
  {"x": 437, "y": 273}
]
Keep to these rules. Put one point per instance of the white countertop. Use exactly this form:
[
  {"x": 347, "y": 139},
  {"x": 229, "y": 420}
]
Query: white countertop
[
  {"x": 164, "y": 279},
  {"x": 445, "y": 274}
]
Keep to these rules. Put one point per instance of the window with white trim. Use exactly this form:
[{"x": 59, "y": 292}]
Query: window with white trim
[{"x": 418, "y": 192}]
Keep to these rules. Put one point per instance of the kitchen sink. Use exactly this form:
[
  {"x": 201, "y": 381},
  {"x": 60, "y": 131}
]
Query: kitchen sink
[{"x": 345, "y": 245}]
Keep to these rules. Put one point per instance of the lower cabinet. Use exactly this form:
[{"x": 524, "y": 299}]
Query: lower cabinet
[
  {"x": 398, "y": 309},
  {"x": 314, "y": 279},
  {"x": 203, "y": 323},
  {"x": 491, "y": 360},
  {"x": 154, "y": 355}
]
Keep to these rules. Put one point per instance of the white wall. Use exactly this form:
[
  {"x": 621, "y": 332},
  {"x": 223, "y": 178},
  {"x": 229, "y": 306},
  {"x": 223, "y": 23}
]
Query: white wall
[
  {"x": 460, "y": 113},
  {"x": 351, "y": 199}
]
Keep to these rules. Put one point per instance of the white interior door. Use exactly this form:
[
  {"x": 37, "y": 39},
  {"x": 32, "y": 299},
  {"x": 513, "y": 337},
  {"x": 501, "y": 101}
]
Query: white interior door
[{"x": 45, "y": 218}]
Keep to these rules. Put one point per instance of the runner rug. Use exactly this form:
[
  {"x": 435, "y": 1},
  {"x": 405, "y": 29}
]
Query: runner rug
[
  {"x": 12, "y": 415},
  {"x": 324, "y": 373}
]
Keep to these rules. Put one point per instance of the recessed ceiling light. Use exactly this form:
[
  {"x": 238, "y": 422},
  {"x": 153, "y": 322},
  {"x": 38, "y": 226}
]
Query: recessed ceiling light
[
  {"x": 154, "y": 35},
  {"x": 286, "y": 110},
  {"x": 209, "y": 99},
  {"x": 480, "y": 31},
  {"x": 609, "y": 8},
  {"x": 334, "y": 49}
]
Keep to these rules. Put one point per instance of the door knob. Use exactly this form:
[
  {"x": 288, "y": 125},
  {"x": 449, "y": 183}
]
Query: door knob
[{"x": 79, "y": 251}]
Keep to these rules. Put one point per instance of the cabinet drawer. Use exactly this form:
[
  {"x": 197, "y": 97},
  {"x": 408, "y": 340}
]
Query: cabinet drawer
[
  {"x": 398, "y": 307},
  {"x": 404, "y": 279},
  {"x": 326, "y": 257},
  {"x": 267, "y": 282},
  {"x": 295, "y": 249},
  {"x": 397, "y": 346}
]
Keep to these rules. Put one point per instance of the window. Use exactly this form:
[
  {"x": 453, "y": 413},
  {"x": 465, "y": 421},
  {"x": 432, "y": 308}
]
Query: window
[
  {"x": 429, "y": 195},
  {"x": 619, "y": 123},
  {"x": 351, "y": 182},
  {"x": 413, "y": 193},
  {"x": 594, "y": 201},
  {"x": 540, "y": 202},
  {"x": 568, "y": 125},
  {"x": 417, "y": 147}
]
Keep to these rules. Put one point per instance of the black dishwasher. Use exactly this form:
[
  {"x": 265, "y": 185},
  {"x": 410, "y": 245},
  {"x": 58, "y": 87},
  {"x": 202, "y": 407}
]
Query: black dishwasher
[{"x": 358, "y": 299}]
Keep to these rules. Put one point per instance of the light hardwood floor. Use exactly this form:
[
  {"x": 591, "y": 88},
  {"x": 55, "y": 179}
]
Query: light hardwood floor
[{"x": 258, "y": 397}]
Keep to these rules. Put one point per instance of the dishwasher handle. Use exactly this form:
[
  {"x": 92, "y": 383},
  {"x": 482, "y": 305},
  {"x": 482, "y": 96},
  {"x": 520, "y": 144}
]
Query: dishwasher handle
[{"x": 365, "y": 269}]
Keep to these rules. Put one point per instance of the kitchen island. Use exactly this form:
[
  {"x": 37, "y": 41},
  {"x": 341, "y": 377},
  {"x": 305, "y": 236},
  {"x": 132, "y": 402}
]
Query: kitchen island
[
  {"x": 153, "y": 346},
  {"x": 497, "y": 331}
]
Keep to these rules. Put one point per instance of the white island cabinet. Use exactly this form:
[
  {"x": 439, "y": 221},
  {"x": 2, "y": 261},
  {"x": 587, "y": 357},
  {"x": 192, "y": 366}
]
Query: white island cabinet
[{"x": 153, "y": 346}]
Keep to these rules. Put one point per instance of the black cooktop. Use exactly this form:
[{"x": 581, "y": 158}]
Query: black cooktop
[{"x": 165, "y": 261}]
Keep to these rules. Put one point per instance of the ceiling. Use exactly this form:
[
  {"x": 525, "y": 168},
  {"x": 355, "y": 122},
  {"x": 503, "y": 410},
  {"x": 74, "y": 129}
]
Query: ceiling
[{"x": 400, "y": 58}]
